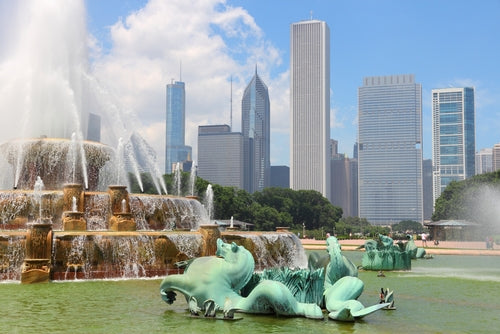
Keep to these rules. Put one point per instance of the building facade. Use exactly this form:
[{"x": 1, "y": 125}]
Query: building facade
[
  {"x": 175, "y": 148},
  {"x": 220, "y": 155},
  {"x": 496, "y": 157},
  {"x": 390, "y": 149},
  {"x": 280, "y": 176},
  {"x": 256, "y": 130},
  {"x": 453, "y": 137},
  {"x": 344, "y": 184},
  {"x": 484, "y": 161},
  {"x": 427, "y": 188},
  {"x": 310, "y": 106}
]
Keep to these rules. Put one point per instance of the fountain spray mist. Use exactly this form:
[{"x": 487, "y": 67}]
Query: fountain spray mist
[
  {"x": 46, "y": 81},
  {"x": 484, "y": 209}
]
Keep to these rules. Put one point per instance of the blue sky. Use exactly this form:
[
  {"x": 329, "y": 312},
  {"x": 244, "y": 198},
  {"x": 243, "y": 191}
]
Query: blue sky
[{"x": 139, "y": 46}]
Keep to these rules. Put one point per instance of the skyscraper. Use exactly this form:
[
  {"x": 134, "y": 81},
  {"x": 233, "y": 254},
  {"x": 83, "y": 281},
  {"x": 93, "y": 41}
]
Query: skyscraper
[
  {"x": 390, "y": 149},
  {"x": 255, "y": 127},
  {"x": 484, "y": 161},
  {"x": 176, "y": 150},
  {"x": 220, "y": 155},
  {"x": 496, "y": 157},
  {"x": 310, "y": 106},
  {"x": 453, "y": 137}
]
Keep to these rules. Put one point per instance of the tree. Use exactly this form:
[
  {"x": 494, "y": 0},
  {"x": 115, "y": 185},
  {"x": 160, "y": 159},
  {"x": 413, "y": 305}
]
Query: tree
[
  {"x": 408, "y": 225},
  {"x": 474, "y": 199}
]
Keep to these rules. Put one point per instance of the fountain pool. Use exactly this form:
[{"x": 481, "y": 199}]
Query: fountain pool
[{"x": 449, "y": 294}]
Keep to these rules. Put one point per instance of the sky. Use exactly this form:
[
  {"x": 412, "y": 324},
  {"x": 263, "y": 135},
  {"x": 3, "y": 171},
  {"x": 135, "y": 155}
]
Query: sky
[{"x": 137, "y": 47}]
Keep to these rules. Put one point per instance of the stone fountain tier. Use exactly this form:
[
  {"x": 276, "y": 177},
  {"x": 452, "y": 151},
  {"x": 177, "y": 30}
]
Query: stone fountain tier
[
  {"x": 99, "y": 210},
  {"x": 137, "y": 254},
  {"x": 37, "y": 263},
  {"x": 55, "y": 160}
]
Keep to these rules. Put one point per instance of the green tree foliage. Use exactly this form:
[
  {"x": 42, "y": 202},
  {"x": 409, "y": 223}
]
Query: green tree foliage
[
  {"x": 300, "y": 207},
  {"x": 271, "y": 208},
  {"x": 475, "y": 199},
  {"x": 408, "y": 225},
  {"x": 352, "y": 225}
]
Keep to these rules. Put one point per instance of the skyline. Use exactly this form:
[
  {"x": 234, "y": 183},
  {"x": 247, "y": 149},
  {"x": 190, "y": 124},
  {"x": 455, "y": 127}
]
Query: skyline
[{"x": 137, "y": 47}]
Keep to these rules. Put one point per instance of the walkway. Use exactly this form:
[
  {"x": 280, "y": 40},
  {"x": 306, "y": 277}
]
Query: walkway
[{"x": 444, "y": 247}]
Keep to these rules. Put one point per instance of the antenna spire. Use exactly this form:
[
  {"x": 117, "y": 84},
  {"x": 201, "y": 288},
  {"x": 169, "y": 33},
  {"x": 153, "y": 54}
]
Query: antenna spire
[
  {"x": 180, "y": 70},
  {"x": 231, "y": 106}
]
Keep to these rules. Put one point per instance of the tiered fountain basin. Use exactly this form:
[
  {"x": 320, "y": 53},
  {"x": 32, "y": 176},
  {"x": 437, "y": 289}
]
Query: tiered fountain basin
[
  {"x": 114, "y": 234},
  {"x": 139, "y": 254},
  {"x": 57, "y": 160},
  {"x": 79, "y": 231}
]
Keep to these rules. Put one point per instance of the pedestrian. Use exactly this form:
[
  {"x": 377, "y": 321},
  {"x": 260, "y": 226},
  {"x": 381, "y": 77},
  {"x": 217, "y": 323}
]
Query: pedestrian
[{"x": 424, "y": 240}]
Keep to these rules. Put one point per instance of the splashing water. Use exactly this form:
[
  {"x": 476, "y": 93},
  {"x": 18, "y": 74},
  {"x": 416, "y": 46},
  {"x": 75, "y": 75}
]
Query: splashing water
[
  {"x": 192, "y": 179},
  {"x": 47, "y": 82},
  {"x": 37, "y": 194},
  {"x": 209, "y": 202},
  {"x": 177, "y": 179}
]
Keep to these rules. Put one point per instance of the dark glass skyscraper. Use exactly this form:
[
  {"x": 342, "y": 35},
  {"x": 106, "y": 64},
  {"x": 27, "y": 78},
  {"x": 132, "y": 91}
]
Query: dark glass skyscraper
[
  {"x": 176, "y": 150},
  {"x": 255, "y": 128},
  {"x": 453, "y": 136}
]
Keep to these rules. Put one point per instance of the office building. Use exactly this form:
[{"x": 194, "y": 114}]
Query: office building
[
  {"x": 175, "y": 149},
  {"x": 496, "y": 157},
  {"x": 453, "y": 137},
  {"x": 310, "y": 106},
  {"x": 390, "y": 149},
  {"x": 344, "y": 185},
  {"x": 427, "y": 189},
  {"x": 255, "y": 128},
  {"x": 280, "y": 176},
  {"x": 484, "y": 161},
  {"x": 220, "y": 155}
]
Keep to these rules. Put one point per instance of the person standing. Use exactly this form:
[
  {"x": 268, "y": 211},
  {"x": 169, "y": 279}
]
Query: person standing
[{"x": 424, "y": 240}]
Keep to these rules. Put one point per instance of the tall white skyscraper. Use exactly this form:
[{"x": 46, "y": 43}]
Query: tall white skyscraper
[
  {"x": 453, "y": 137},
  {"x": 390, "y": 149},
  {"x": 310, "y": 106}
]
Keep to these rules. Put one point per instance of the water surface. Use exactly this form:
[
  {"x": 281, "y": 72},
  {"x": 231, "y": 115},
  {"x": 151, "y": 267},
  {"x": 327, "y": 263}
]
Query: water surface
[{"x": 448, "y": 294}]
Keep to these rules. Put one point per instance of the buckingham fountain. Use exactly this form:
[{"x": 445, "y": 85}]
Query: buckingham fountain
[
  {"x": 52, "y": 229},
  {"x": 67, "y": 148}
]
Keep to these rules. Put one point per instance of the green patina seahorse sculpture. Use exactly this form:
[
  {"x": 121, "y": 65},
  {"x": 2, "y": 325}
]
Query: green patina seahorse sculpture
[{"x": 219, "y": 280}]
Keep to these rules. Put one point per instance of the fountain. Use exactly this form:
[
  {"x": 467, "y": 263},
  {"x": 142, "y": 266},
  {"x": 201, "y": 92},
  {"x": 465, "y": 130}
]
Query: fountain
[{"x": 66, "y": 211}]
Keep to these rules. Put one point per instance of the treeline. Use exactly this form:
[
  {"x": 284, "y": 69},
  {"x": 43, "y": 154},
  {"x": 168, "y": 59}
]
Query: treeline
[
  {"x": 476, "y": 199},
  {"x": 271, "y": 208}
]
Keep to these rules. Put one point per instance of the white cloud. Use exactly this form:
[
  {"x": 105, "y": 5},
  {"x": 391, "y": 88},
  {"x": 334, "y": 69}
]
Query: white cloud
[{"x": 213, "y": 41}]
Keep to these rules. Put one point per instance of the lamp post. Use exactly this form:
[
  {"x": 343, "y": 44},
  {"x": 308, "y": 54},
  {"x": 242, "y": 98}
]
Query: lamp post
[{"x": 303, "y": 231}]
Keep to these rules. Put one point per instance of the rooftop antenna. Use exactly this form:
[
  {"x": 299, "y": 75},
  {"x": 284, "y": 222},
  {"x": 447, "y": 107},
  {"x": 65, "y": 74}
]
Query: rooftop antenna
[
  {"x": 231, "y": 106},
  {"x": 180, "y": 70}
]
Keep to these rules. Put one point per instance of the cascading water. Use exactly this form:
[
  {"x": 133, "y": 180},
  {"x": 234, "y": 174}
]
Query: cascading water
[
  {"x": 47, "y": 82},
  {"x": 192, "y": 178},
  {"x": 50, "y": 134},
  {"x": 209, "y": 202},
  {"x": 177, "y": 179},
  {"x": 37, "y": 195},
  {"x": 12, "y": 259}
]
